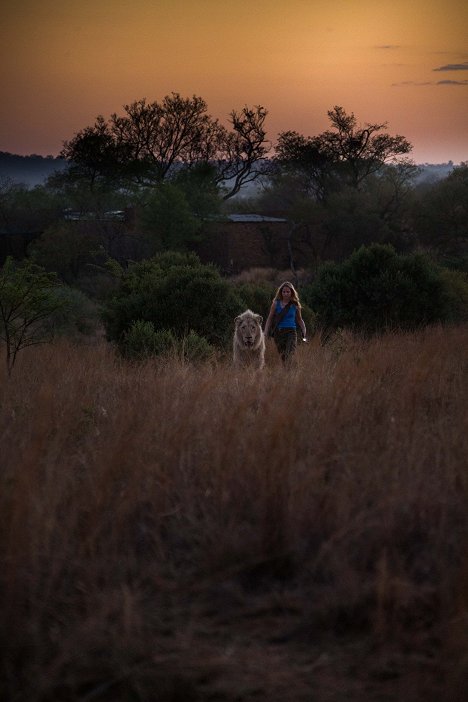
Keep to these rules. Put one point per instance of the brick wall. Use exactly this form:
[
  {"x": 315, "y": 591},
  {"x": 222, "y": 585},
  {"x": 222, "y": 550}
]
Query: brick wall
[{"x": 236, "y": 246}]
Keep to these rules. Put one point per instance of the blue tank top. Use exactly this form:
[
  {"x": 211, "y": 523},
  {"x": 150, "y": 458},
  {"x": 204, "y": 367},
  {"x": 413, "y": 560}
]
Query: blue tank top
[{"x": 289, "y": 319}]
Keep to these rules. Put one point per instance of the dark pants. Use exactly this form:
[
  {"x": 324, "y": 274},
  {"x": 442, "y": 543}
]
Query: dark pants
[{"x": 286, "y": 343}]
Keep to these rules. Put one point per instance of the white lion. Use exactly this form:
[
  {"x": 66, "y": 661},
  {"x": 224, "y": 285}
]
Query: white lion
[{"x": 249, "y": 340}]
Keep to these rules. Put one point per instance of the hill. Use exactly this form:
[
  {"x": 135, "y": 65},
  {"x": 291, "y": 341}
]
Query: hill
[{"x": 30, "y": 170}]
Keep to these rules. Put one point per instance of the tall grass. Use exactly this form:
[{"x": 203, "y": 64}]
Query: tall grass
[{"x": 175, "y": 532}]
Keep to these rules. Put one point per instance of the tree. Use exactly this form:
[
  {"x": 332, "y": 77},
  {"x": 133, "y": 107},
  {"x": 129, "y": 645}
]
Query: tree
[
  {"x": 200, "y": 190},
  {"x": 167, "y": 219},
  {"x": 153, "y": 140},
  {"x": 377, "y": 212},
  {"x": 27, "y": 301},
  {"x": 243, "y": 150},
  {"x": 95, "y": 155},
  {"x": 441, "y": 216},
  {"x": 85, "y": 195},
  {"x": 343, "y": 188},
  {"x": 24, "y": 209},
  {"x": 66, "y": 251},
  {"x": 302, "y": 159},
  {"x": 360, "y": 151},
  {"x": 172, "y": 214},
  {"x": 347, "y": 154}
]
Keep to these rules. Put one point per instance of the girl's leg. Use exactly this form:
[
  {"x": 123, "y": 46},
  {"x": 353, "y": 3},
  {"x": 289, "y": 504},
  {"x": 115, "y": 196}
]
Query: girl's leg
[{"x": 286, "y": 343}]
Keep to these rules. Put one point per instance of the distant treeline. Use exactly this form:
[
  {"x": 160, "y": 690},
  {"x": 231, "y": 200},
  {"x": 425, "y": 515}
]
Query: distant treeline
[{"x": 34, "y": 169}]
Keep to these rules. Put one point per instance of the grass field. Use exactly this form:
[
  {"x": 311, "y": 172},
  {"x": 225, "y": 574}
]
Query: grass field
[{"x": 174, "y": 533}]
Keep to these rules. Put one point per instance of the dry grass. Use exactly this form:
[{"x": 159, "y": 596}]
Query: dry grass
[{"x": 178, "y": 533}]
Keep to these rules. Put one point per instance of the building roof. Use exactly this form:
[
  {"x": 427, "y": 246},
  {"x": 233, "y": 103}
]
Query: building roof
[{"x": 253, "y": 218}]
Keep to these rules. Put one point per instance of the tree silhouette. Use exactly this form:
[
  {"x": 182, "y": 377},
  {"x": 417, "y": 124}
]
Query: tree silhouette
[
  {"x": 344, "y": 155},
  {"x": 152, "y": 141}
]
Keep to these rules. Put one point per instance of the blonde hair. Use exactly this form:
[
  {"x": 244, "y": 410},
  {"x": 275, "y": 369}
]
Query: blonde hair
[{"x": 294, "y": 294}]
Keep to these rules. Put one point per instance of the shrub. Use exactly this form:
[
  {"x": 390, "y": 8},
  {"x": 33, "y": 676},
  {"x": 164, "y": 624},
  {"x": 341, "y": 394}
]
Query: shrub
[
  {"x": 194, "y": 347},
  {"x": 456, "y": 283},
  {"x": 376, "y": 289},
  {"x": 256, "y": 296},
  {"x": 142, "y": 341},
  {"x": 75, "y": 315},
  {"x": 174, "y": 291}
]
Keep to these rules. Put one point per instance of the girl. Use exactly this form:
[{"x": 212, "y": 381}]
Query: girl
[{"x": 283, "y": 319}]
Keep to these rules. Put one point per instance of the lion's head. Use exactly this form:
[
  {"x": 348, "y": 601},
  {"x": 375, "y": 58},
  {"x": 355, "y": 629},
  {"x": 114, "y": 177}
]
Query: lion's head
[{"x": 249, "y": 329}]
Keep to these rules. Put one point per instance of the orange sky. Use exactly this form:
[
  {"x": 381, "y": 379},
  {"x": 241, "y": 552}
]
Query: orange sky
[{"x": 405, "y": 62}]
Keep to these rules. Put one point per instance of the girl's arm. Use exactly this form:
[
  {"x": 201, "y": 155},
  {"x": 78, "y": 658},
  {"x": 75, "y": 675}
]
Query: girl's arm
[
  {"x": 300, "y": 322},
  {"x": 270, "y": 317}
]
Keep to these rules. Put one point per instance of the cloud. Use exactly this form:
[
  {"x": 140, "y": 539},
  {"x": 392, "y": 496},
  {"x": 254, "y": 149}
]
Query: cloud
[
  {"x": 452, "y": 82},
  {"x": 453, "y": 67},
  {"x": 414, "y": 83},
  {"x": 388, "y": 46},
  {"x": 410, "y": 82}
]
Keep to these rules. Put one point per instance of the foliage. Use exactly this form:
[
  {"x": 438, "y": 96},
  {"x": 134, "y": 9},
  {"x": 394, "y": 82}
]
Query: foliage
[
  {"x": 89, "y": 196},
  {"x": 151, "y": 141},
  {"x": 352, "y": 219},
  {"x": 174, "y": 291},
  {"x": 347, "y": 154},
  {"x": 243, "y": 150},
  {"x": 346, "y": 187},
  {"x": 27, "y": 301},
  {"x": 142, "y": 341},
  {"x": 377, "y": 289},
  {"x": 195, "y": 348},
  {"x": 456, "y": 283},
  {"x": 301, "y": 158},
  {"x": 256, "y": 296},
  {"x": 167, "y": 219},
  {"x": 76, "y": 314},
  {"x": 95, "y": 154},
  {"x": 24, "y": 209},
  {"x": 441, "y": 216},
  {"x": 198, "y": 184},
  {"x": 66, "y": 251},
  {"x": 376, "y": 213}
]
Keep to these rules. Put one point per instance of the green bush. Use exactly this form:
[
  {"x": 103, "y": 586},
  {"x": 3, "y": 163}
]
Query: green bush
[
  {"x": 142, "y": 341},
  {"x": 456, "y": 283},
  {"x": 256, "y": 296},
  {"x": 76, "y": 313},
  {"x": 194, "y": 348},
  {"x": 376, "y": 289},
  {"x": 174, "y": 291}
]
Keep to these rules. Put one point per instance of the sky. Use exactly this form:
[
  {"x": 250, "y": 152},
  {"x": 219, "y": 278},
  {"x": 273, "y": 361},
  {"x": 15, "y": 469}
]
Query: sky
[{"x": 403, "y": 62}]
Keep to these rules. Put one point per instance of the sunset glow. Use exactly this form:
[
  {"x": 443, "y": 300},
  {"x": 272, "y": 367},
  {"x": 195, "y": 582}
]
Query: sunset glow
[{"x": 63, "y": 63}]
